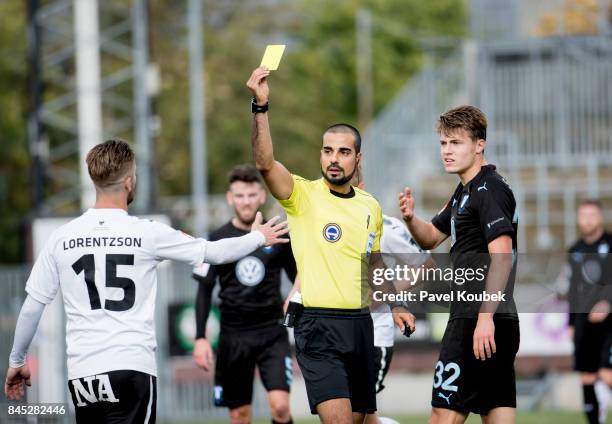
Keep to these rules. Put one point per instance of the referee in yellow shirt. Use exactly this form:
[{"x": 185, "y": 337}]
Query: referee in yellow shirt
[{"x": 334, "y": 229}]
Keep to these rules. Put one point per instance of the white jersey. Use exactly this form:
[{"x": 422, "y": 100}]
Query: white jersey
[
  {"x": 395, "y": 239},
  {"x": 105, "y": 262}
]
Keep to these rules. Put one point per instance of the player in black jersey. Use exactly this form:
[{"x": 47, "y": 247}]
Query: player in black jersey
[
  {"x": 475, "y": 371},
  {"x": 587, "y": 280},
  {"x": 251, "y": 312}
]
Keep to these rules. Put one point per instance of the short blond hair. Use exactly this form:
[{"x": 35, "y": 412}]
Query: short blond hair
[{"x": 110, "y": 161}]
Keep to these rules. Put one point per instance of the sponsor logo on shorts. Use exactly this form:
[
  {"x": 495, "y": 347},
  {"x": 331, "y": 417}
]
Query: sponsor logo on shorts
[
  {"x": 446, "y": 398},
  {"x": 332, "y": 232},
  {"x": 93, "y": 389}
]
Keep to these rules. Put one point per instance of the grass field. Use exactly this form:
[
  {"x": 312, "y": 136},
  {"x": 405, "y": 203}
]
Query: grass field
[{"x": 540, "y": 417}]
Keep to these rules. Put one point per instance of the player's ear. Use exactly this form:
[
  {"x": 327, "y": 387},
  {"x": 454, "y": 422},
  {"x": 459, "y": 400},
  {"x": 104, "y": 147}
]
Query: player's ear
[
  {"x": 228, "y": 198},
  {"x": 480, "y": 146}
]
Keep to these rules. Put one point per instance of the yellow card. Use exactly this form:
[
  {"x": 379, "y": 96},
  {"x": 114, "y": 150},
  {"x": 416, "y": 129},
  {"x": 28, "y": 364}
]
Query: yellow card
[{"x": 272, "y": 56}]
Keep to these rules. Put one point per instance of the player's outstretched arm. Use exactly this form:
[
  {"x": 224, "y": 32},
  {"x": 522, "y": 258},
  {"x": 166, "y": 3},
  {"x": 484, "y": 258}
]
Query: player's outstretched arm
[
  {"x": 234, "y": 248},
  {"x": 277, "y": 177},
  {"x": 18, "y": 373},
  {"x": 424, "y": 233}
]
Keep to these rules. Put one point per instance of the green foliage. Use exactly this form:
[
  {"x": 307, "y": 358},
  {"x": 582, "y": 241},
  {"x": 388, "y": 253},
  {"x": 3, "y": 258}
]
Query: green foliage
[
  {"x": 314, "y": 87},
  {"x": 15, "y": 158}
]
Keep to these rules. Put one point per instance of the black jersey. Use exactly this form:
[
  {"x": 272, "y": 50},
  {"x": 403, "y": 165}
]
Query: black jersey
[
  {"x": 250, "y": 288},
  {"x": 476, "y": 214},
  {"x": 590, "y": 274}
]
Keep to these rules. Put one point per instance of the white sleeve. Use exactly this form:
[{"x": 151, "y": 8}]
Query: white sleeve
[
  {"x": 27, "y": 323},
  {"x": 397, "y": 240},
  {"x": 231, "y": 249},
  {"x": 178, "y": 246},
  {"x": 43, "y": 282}
]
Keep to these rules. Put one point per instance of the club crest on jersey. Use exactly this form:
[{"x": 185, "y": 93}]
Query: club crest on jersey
[
  {"x": 332, "y": 232},
  {"x": 250, "y": 271}
]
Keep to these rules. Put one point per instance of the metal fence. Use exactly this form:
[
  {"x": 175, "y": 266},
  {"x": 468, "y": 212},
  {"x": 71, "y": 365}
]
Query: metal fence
[{"x": 549, "y": 107}]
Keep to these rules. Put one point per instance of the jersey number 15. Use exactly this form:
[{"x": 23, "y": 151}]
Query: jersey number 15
[{"x": 86, "y": 263}]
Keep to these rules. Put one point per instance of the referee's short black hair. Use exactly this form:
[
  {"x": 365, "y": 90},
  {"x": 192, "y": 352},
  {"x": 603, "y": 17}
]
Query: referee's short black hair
[
  {"x": 343, "y": 128},
  {"x": 246, "y": 173}
]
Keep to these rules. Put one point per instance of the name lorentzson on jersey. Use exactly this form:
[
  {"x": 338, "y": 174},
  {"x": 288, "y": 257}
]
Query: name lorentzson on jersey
[
  {"x": 105, "y": 262},
  {"x": 102, "y": 242}
]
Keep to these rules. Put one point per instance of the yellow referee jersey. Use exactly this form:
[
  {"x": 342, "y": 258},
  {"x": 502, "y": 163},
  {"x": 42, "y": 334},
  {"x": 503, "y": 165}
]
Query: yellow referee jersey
[{"x": 331, "y": 236}]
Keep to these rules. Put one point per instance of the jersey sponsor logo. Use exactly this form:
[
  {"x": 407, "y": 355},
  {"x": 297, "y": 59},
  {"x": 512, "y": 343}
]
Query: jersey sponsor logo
[
  {"x": 250, "y": 271},
  {"x": 495, "y": 221},
  {"x": 332, "y": 232},
  {"x": 93, "y": 393},
  {"x": 482, "y": 187}
]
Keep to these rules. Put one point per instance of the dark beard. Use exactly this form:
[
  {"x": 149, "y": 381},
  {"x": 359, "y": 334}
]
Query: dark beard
[
  {"x": 340, "y": 180},
  {"x": 249, "y": 222}
]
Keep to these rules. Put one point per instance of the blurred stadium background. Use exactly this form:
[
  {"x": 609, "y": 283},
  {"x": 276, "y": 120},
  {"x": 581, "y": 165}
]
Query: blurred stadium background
[{"x": 169, "y": 76}]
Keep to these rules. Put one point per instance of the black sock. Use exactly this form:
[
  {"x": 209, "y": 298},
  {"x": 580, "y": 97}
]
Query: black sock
[
  {"x": 591, "y": 405},
  {"x": 288, "y": 422}
]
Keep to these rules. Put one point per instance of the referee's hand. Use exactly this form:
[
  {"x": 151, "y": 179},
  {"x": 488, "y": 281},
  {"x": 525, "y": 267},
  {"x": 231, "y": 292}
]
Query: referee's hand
[
  {"x": 258, "y": 84},
  {"x": 403, "y": 319},
  {"x": 15, "y": 379},
  {"x": 272, "y": 231}
]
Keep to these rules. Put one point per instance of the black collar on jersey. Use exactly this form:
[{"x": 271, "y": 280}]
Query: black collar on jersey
[
  {"x": 484, "y": 171},
  {"x": 348, "y": 195}
]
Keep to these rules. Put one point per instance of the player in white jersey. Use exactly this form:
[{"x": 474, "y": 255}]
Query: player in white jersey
[
  {"x": 396, "y": 244},
  {"x": 105, "y": 263}
]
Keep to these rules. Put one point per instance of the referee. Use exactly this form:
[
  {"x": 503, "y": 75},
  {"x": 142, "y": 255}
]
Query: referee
[
  {"x": 475, "y": 370},
  {"x": 335, "y": 228}
]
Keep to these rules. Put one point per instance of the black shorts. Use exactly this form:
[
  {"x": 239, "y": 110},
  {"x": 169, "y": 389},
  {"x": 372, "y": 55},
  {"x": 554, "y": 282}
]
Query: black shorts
[
  {"x": 382, "y": 362},
  {"x": 466, "y": 384},
  {"x": 123, "y": 396},
  {"x": 238, "y": 354},
  {"x": 335, "y": 351},
  {"x": 592, "y": 345}
]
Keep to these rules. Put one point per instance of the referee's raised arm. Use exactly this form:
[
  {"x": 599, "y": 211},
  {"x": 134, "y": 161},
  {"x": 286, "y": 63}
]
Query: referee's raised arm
[{"x": 277, "y": 177}]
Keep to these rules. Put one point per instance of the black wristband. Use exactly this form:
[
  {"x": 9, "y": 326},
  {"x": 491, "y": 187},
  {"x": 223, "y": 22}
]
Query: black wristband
[{"x": 255, "y": 108}]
